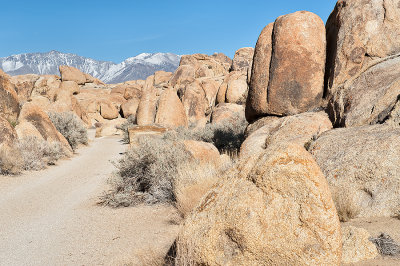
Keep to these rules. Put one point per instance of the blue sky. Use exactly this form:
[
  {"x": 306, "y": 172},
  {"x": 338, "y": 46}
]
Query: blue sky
[{"x": 115, "y": 30}]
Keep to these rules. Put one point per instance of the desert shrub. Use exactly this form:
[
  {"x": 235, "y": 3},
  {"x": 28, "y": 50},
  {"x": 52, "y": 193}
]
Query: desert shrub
[
  {"x": 36, "y": 153},
  {"x": 386, "y": 245},
  {"x": 227, "y": 135},
  {"x": 11, "y": 162},
  {"x": 131, "y": 121},
  {"x": 71, "y": 127},
  {"x": 146, "y": 172}
]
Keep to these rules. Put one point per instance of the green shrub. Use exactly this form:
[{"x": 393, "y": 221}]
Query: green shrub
[{"x": 71, "y": 127}]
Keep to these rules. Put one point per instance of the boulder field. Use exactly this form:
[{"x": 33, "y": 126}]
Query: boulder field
[{"x": 321, "y": 144}]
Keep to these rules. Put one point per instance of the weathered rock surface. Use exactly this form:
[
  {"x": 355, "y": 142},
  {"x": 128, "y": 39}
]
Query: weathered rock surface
[
  {"x": 69, "y": 73},
  {"x": 147, "y": 108},
  {"x": 227, "y": 112},
  {"x": 8, "y": 135},
  {"x": 299, "y": 51},
  {"x": 71, "y": 86},
  {"x": 256, "y": 105},
  {"x": 33, "y": 114},
  {"x": 356, "y": 245},
  {"x": 236, "y": 91},
  {"x": 9, "y": 103},
  {"x": 299, "y": 129},
  {"x": 24, "y": 85},
  {"x": 195, "y": 102},
  {"x": 170, "y": 112},
  {"x": 204, "y": 152},
  {"x": 362, "y": 166},
  {"x": 217, "y": 65},
  {"x": 108, "y": 110},
  {"x": 368, "y": 98},
  {"x": 243, "y": 59},
  {"x": 130, "y": 108},
  {"x": 47, "y": 86},
  {"x": 183, "y": 75},
  {"x": 161, "y": 77},
  {"x": 26, "y": 129},
  {"x": 358, "y": 33},
  {"x": 273, "y": 209}
]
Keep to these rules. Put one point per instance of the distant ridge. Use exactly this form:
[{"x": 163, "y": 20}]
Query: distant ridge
[{"x": 133, "y": 68}]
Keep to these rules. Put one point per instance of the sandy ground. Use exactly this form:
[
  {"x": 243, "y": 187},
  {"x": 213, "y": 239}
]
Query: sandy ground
[
  {"x": 376, "y": 226},
  {"x": 51, "y": 217}
]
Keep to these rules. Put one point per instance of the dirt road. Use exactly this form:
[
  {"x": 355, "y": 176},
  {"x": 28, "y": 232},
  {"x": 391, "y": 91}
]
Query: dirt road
[{"x": 51, "y": 217}]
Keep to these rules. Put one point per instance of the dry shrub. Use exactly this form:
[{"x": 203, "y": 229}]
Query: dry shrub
[
  {"x": 146, "y": 173},
  {"x": 346, "y": 203},
  {"x": 36, "y": 153},
  {"x": 71, "y": 127},
  {"x": 227, "y": 135},
  {"x": 386, "y": 245},
  {"x": 11, "y": 162},
  {"x": 30, "y": 153},
  {"x": 130, "y": 122},
  {"x": 192, "y": 182}
]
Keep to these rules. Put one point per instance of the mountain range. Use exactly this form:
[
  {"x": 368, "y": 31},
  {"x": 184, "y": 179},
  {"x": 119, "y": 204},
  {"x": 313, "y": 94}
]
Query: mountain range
[{"x": 133, "y": 68}]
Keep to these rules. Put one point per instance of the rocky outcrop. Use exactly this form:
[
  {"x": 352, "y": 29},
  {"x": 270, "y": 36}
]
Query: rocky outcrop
[
  {"x": 367, "y": 98},
  {"x": 359, "y": 33},
  {"x": 71, "y": 86},
  {"x": 205, "y": 65},
  {"x": 8, "y": 135},
  {"x": 234, "y": 88},
  {"x": 300, "y": 129},
  {"x": 162, "y": 77},
  {"x": 170, "y": 112},
  {"x": 9, "y": 103},
  {"x": 300, "y": 35},
  {"x": 24, "y": 85},
  {"x": 195, "y": 102},
  {"x": 356, "y": 245},
  {"x": 204, "y": 152},
  {"x": 273, "y": 209},
  {"x": 40, "y": 120},
  {"x": 183, "y": 75},
  {"x": 243, "y": 59},
  {"x": 69, "y": 73},
  {"x": 362, "y": 166},
  {"x": 130, "y": 108},
  {"x": 227, "y": 112},
  {"x": 47, "y": 86},
  {"x": 108, "y": 110},
  {"x": 256, "y": 105},
  {"x": 147, "y": 108}
]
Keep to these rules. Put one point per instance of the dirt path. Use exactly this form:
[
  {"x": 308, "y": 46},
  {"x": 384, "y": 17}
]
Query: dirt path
[{"x": 51, "y": 217}]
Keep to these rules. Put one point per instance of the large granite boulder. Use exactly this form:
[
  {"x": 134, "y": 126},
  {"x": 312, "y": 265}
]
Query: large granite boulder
[{"x": 273, "y": 209}]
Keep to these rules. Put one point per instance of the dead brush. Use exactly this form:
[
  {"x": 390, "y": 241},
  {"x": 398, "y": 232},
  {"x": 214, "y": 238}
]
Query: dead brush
[{"x": 386, "y": 245}]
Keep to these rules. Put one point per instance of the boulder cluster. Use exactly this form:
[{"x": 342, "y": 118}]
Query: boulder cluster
[{"x": 322, "y": 144}]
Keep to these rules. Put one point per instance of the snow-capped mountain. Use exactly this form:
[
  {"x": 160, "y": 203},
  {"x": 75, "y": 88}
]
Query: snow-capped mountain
[{"x": 138, "y": 67}]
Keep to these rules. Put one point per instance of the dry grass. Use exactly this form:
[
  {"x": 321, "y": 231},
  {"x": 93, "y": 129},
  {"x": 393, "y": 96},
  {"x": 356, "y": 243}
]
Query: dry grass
[
  {"x": 71, "y": 127},
  {"x": 192, "y": 182}
]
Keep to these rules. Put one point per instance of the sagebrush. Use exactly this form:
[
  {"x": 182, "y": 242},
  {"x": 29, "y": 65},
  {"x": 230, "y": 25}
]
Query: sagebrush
[
  {"x": 227, "y": 136},
  {"x": 29, "y": 153},
  {"x": 130, "y": 121},
  {"x": 71, "y": 127},
  {"x": 146, "y": 173}
]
